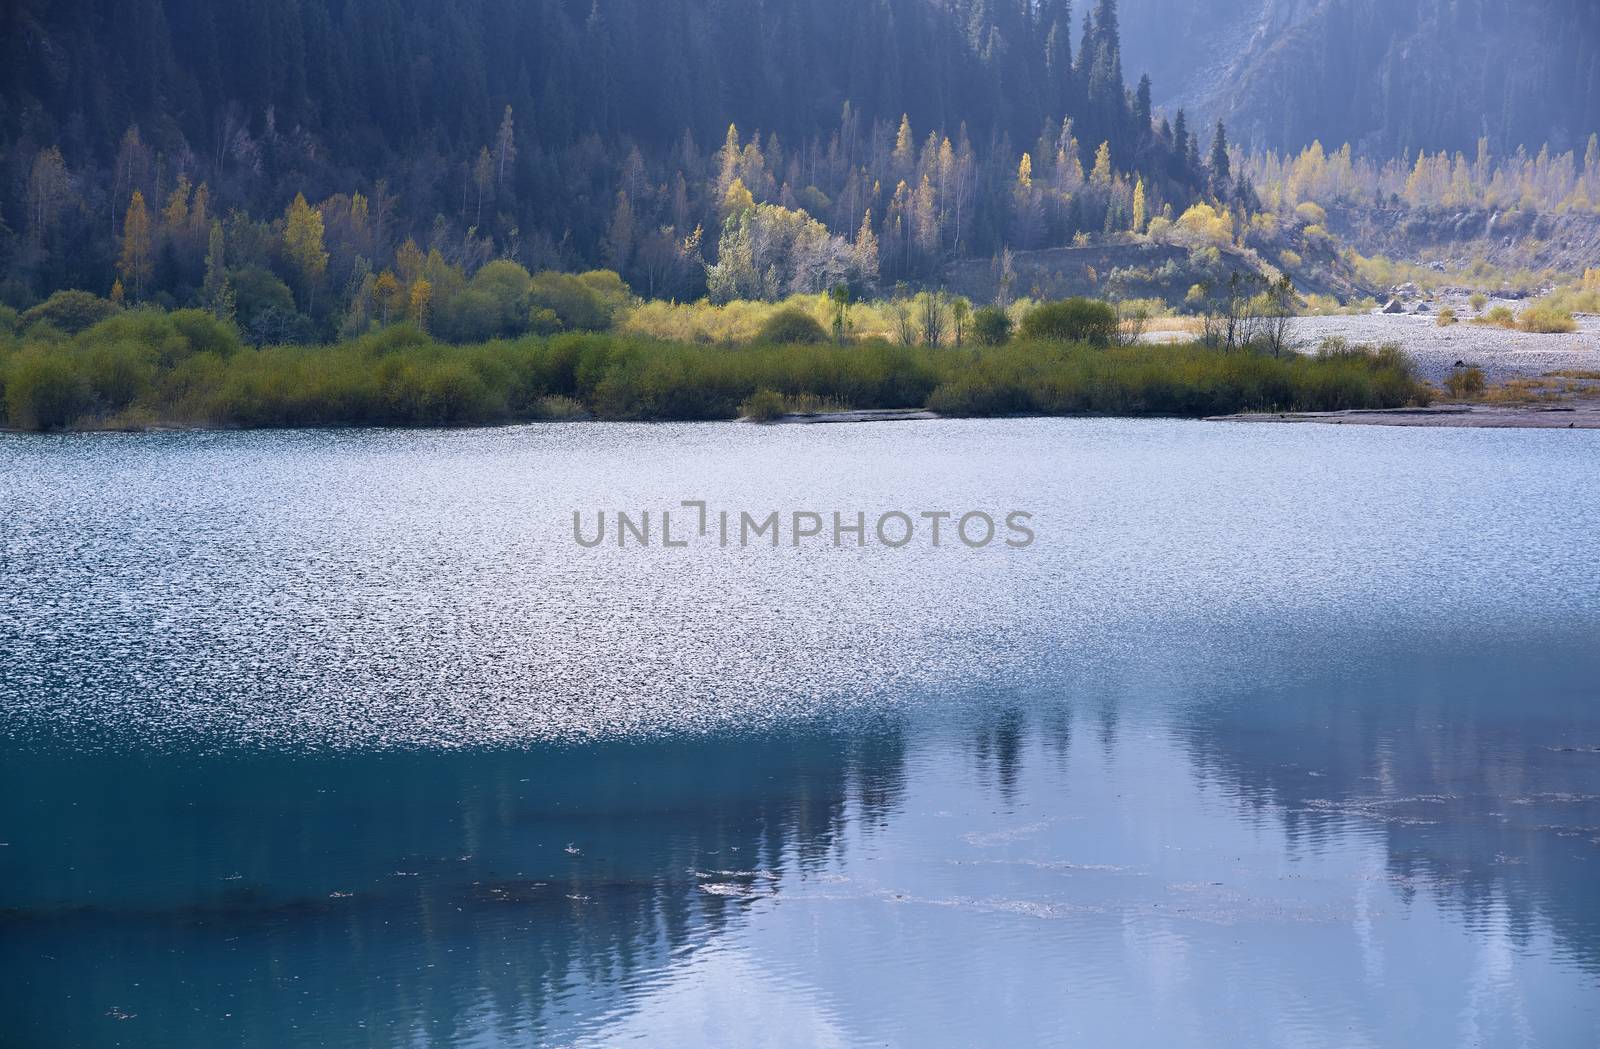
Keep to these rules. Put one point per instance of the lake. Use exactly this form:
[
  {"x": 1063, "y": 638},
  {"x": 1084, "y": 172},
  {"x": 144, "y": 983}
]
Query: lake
[{"x": 1270, "y": 736}]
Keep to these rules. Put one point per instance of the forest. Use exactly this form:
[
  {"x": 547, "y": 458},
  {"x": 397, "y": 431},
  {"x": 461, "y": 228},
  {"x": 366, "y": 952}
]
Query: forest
[
  {"x": 820, "y": 142},
  {"x": 315, "y": 170}
]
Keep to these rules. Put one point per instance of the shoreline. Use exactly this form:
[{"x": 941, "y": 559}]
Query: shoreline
[{"x": 1456, "y": 416}]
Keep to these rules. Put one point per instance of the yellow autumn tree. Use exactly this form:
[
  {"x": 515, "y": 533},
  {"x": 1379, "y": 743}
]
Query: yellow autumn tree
[
  {"x": 387, "y": 296},
  {"x": 1102, "y": 165},
  {"x": 134, "y": 263},
  {"x": 302, "y": 241},
  {"x": 420, "y": 304},
  {"x": 1139, "y": 207}
]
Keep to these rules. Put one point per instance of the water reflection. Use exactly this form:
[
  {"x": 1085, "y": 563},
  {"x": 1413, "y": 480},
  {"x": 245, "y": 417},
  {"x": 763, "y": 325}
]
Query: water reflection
[
  {"x": 419, "y": 892},
  {"x": 1000, "y": 874}
]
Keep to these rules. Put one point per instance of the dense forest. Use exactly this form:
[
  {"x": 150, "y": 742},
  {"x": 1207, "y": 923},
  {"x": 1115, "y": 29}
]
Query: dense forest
[
  {"x": 729, "y": 146},
  {"x": 313, "y": 169}
]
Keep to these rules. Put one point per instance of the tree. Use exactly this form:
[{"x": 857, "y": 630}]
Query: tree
[
  {"x": 134, "y": 263},
  {"x": 387, "y": 296},
  {"x": 302, "y": 242},
  {"x": 505, "y": 150},
  {"x": 1139, "y": 207},
  {"x": 48, "y": 187},
  {"x": 483, "y": 178},
  {"x": 620, "y": 235},
  {"x": 933, "y": 323},
  {"x": 217, "y": 291},
  {"x": 419, "y": 305},
  {"x": 1102, "y": 174},
  {"x": 1221, "y": 177},
  {"x": 960, "y": 309}
]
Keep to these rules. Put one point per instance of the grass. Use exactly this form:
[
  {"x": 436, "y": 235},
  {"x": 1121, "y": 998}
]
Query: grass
[{"x": 146, "y": 368}]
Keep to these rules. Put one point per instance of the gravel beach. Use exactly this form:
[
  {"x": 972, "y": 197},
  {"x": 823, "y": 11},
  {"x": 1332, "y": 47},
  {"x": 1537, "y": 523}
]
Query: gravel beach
[{"x": 1502, "y": 354}]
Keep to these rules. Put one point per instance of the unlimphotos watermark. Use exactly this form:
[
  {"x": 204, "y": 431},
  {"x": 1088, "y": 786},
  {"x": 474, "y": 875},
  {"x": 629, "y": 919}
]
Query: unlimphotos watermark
[{"x": 694, "y": 522}]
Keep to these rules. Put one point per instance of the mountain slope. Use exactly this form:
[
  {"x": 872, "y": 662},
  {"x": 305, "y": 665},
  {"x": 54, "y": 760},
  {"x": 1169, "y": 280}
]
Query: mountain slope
[{"x": 1388, "y": 76}]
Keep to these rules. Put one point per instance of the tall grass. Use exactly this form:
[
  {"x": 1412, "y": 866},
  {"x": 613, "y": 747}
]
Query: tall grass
[{"x": 184, "y": 369}]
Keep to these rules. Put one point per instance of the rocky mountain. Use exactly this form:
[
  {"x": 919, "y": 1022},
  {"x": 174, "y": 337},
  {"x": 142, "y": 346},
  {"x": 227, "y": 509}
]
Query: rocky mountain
[{"x": 1388, "y": 76}]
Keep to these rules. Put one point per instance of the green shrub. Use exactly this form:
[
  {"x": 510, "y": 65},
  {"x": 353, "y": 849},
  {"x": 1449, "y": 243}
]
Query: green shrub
[
  {"x": 71, "y": 311},
  {"x": 1499, "y": 317},
  {"x": 791, "y": 327},
  {"x": 145, "y": 368},
  {"x": 1478, "y": 301},
  {"x": 1071, "y": 320},
  {"x": 1546, "y": 319},
  {"x": 494, "y": 305},
  {"x": 44, "y": 391},
  {"x": 991, "y": 326},
  {"x": 586, "y": 302},
  {"x": 763, "y": 406}
]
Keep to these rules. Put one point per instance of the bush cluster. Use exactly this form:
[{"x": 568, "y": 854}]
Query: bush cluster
[{"x": 143, "y": 367}]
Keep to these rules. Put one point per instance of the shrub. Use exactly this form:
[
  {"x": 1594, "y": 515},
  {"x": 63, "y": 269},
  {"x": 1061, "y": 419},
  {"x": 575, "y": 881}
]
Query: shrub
[
  {"x": 1499, "y": 317},
  {"x": 1546, "y": 319},
  {"x": 991, "y": 326},
  {"x": 1465, "y": 382},
  {"x": 587, "y": 302},
  {"x": 71, "y": 311},
  {"x": 1072, "y": 320},
  {"x": 1446, "y": 317},
  {"x": 1202, "y": 225},
  {"x": 257, "y": 291},
  {"x": 44, "y": 391},
  {"x": 791, "y": 326},
  {"x": 494, "y": 305},
  {"x": 1311, "y": 214},
  {"x": 763, "y": 406},
  {"x": 1478, "y": 301}
]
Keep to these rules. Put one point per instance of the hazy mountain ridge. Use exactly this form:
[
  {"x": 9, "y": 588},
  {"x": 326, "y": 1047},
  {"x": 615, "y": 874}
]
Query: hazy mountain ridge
[{"x": 1385, "y": 75}]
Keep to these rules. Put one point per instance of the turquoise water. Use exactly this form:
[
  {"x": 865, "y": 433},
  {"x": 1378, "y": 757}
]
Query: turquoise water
[{"x": 1275, "y": 736}]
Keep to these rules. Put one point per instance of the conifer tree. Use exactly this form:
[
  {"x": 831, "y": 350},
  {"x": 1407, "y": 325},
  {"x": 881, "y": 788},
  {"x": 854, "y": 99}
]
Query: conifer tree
[{"x": 1221, "y": 177}]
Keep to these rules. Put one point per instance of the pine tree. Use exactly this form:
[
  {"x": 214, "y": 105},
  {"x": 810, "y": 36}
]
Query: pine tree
[
  {"x": 134, "y": 263},
  {"x": 1221, "y": 177},
  {"x": 1180, "y": 169}
]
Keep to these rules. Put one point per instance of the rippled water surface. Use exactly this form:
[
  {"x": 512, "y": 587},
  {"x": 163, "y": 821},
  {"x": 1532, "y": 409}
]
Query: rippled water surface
[{"x": 1275, "y": 736}]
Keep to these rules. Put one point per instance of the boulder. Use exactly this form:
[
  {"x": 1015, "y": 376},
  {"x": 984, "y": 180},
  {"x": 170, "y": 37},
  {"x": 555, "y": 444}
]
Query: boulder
[
  {"x": 1395, "y": 306},
  {"x": 1422, "y": 307}
]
